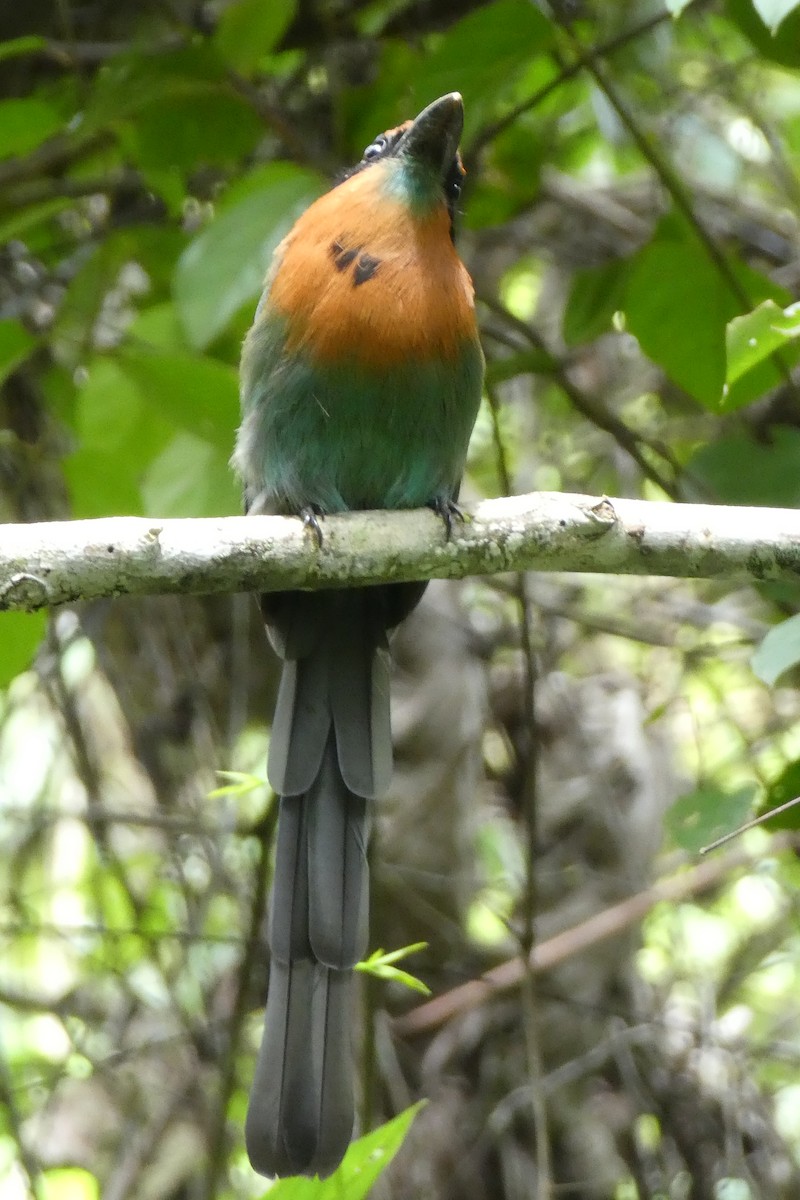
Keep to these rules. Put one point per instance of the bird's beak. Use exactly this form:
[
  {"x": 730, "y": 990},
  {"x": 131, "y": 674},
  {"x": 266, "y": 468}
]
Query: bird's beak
[{"x": 432, "y": 139}]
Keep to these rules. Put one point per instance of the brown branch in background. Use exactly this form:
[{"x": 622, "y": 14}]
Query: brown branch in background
[
  {"x": 69, "y": 54},
  {"x": 565, "y": 945},
  {"x": 52, "y": 157}
]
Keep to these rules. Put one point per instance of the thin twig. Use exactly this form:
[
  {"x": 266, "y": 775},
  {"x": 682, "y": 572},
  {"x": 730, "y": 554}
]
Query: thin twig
[
  {"x": 530, "y": 774},
  {"x": 593, "y": 410},
  {"x": 673, "y": 184},
  {"x": 604, "y": 50},
  {"x": 570, "y": 942},
  {"x": 26, "y": 1159},
  {"x": 217, "y": 1150}
]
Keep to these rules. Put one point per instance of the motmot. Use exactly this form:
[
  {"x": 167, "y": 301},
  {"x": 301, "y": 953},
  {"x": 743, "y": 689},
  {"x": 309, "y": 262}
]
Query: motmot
[{"x": 360, "y": 384}]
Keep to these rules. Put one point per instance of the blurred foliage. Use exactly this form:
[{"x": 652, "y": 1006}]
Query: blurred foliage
[{"x": 631, "y": 225}]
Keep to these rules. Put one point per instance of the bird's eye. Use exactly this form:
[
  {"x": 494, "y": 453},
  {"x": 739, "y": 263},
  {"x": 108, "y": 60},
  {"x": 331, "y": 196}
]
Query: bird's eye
[
  {"x": 375, "y": 149},
  {"x": 454, "y": 191}
]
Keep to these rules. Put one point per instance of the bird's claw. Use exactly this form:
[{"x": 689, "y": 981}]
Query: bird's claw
[
  {"x": 449, "y": 511},
  {"x": 310, "y": 515}
]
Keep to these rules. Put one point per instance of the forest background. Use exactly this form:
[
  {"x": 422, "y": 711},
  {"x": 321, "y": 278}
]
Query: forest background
[{"x": 566, "y": 744}]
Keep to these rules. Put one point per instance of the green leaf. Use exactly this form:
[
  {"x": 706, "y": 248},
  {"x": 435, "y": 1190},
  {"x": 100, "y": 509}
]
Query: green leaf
[
  {"x": 190, "y": 478},
  {"x": 204, "y": 124},
  {"x": 240, "y": 783},
  {"x": 25, "y": 124},
  {"x": 380, "y": 964},
  {"x": 158, "y": 328},
  {"x": 753, "y": 337},
  {"x": 21, "y": 45},
  {"x": 118, "y": 435},
  {"x": 482, "y": 53},
  {"x": 249, "y": 29},
  {"x": 21, "y": 634},
  {"x": 700, "y": 817},
  {"x": 783, "y": 789},
  {"x": 18, "y": 223},
  {"x": 595, "y": 295},
  {"x": 739, "y": 470},
  {"x": 366, "y": 1159},
  {"x": 15, "y": 346},
  {"x": 782, "y": 46},
  {"x": 769, "y": 373},
  {"x": 136, "y": 81},
  {"x": 225, "y": 265},
  {"x": 778, "y": 652},
  {"x": 774, "y": 12},
  {"x": 197, "y": 394},
  {"x": 69, "y": 1183},
  {"x": 677, "y": 305},
  {"x": 82, "y": 305}
]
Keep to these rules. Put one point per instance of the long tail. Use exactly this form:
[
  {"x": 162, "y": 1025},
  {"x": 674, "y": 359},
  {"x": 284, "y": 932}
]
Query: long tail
[{"x": 330, "y": 755}]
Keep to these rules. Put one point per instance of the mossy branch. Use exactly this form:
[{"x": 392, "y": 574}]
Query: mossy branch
[{"x": 60, "y": 562}]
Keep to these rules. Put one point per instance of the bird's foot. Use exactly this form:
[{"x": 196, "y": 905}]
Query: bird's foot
[
  {"x": 310, "y": 514},
  {"x": 449, "y": 511}
]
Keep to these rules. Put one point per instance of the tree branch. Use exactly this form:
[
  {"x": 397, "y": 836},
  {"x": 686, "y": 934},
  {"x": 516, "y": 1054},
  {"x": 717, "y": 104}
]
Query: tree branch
[
  {"x": 58, "y": 562},
  {"x": 607, "y": 923}
]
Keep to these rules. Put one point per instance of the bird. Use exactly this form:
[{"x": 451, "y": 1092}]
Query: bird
[{"x": 361, "y": 379}]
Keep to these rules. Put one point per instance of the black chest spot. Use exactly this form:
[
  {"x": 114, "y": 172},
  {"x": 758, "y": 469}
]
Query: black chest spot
[{"x": 344, "y": 257}]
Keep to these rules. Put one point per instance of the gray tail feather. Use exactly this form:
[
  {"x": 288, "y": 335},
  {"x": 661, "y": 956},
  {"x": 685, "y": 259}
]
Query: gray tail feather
[
  {"x": 330, "y": 754},
  {"x": 300, "y": 1115}
]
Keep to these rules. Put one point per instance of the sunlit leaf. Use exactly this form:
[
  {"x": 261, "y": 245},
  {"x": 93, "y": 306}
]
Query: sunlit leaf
[
  {"x": 196, "y": 393},
  {"x": 774, "y": 12},
  {"x": 781, "y": 45},
  {"x": 25, "y": 123},
  {"x": 239, "y": 784},
  {"x": 779, "y": 651},
  {"x": 117, "y": 436},
  {"x": 190, "y": 478},
  {"x": 753, "y": 337},
  {"x": 381, "y": 965},
  {"x": 20, "y": 637},
  {"x": 21, "y": 45},
  {"x": 69, "y": 1183}
]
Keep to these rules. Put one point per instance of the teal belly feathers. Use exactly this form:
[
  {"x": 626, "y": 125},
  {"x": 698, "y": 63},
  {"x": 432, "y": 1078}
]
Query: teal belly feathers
[{"x": 344, "y": 436}]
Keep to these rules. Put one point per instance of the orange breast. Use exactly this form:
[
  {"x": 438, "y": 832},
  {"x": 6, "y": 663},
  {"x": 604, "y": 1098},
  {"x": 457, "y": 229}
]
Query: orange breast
[{"x": 360, "y": 277}]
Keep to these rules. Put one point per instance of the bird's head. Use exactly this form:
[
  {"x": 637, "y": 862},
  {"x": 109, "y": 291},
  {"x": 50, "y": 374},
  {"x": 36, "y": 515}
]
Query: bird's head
[
  {"x": 418, "y": 163},
  {"x": 369, "y": 272}
]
